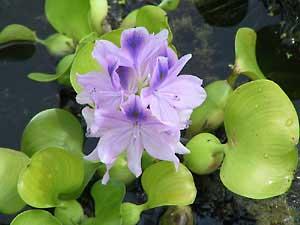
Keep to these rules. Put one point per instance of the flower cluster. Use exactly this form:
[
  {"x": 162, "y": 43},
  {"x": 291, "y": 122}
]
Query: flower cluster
[{"x": 139, "y": 101}]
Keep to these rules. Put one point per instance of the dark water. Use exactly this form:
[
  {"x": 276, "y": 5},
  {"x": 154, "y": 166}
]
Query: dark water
[
  {"x": 211, "y": 40},
  {"x": 21, "y": 98}
]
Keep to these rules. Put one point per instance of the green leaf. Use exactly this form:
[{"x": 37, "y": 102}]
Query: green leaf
[
  {"x": 70, "y": 213},
  {"x": 52, "y": 128},
  {"x": 166, "y": 186},
  {"x": 69, "y": 17},
  {"x": 43, "y": 77},
  {"x": 98, "y": 12},
  {"x": 131, "y": 213},
  {"x": 35, "y": 217},
  {"x": 11, "y": 164},
  {"x": 87, "y": 39},
  {"x": 245, "y": 50},
  {"x": 146, "y": 17},
  {"x": 56, "y": 128},
  {"x": 16, "y": 32},
  {"x": 263, "y": 130},
  {"x": 169, "y": 5},
  {"x": 210, "y": 115},
  {"x": 130, "y": 20},
  {"x": 52, "y": 177},
  {"x": 59, "y": 44},
  {"x": 206, "y": 154},
  {"x": 108, "y": 199},
  {"x": 62, "y": 69},
  {"x": 119, "y": 171},
  {"x": 89, "y": 221},
  {"x": 113, "y": 36}
]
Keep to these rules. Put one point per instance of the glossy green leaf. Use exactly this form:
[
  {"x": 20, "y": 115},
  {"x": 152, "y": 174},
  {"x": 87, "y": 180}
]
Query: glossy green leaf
[
  {"x": 113, "y": 36},
  {"x": 166, "y": 186},
  {"x": 147, "y": 160},
  {"x": 11, "y": 164},
  {"x": 148, "y": 14},
  {"x": 70, "y": 213},
  {"x": 210, "y": 115},
  {"x": 52, "y": 128},
  {"x": 130, "y": 20},
  {"x": 89, "y": 170},
  {"x": 89, "y": 221},
  {"x": 263, "y": 130},
  {"x": 43, "y": 77},
  {"x": 119, "y": 171},
  {"x": 62, "y": 68},
  {"x": 35, "y": 217},
  {"x": 169, "y": 5},
  {"x": 16, "y": 32},
  {"x": 59, "y": 44},
  {"x": 56, "y": 128},
  {"x": 98, "y": 12},
  {"x": 108, "y": 199},
  {"x": 69, "y": 17},
  {"x": 245, "y": 50},
  {"x": 131, "y": 213},
  {"x": 91, "y": 37},
  {"x": 206, "y": 154},
  {"x": 52, "y": 177}
]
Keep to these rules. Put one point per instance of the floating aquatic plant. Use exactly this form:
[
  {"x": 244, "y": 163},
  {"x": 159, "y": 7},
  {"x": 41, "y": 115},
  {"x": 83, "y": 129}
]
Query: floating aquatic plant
[
  {"x": 139, "y": 100},
  {"x": 263, "y": 130},
  {"x": 36, "y": 217}
]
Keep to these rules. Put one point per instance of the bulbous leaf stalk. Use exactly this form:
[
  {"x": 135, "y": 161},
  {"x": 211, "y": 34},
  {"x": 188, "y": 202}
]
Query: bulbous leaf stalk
[
  {"x": 206, "y": 154},
  {"x": 210, "y": 115}
]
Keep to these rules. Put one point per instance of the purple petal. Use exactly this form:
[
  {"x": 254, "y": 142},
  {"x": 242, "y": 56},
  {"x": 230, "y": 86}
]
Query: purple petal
[
  {"x": 106, "y": 176},
  {"x": 106, "y": 121},
  {"x": 133, "y": 40},
  {"x": 181, "y": 149},
  {"x": 161, "y": 108},
  {"x": 160, "y": 72},
  {"x": 157, "y": 147},
  {"x": 100, "y": 89},
  {"x": 155, "y": 47},
  {"x": 84, "y": 97},
  {"x": 184, "y": 92},
  {"x": 89, "y": 116},
  {"x": 179, "y": 65},
  {"x": 128, "y": 79},
  {"x": 113, "y": 143},
  {"x": 134, "y": 154},
  {"x": 173, "y": 137},
  {"x": 109, "y": 55},
  {"x": 184, "y": 118},
  {"x": 134, "y": 109}
]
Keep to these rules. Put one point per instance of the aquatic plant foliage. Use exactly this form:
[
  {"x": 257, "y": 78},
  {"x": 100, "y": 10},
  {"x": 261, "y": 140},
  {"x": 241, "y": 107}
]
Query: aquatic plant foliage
[
  {"x": 260, "y": 157},
  {"x": 139, "y": 100}
]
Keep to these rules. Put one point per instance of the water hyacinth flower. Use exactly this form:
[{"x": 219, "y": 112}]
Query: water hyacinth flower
[{"x": 140, "y": 102}]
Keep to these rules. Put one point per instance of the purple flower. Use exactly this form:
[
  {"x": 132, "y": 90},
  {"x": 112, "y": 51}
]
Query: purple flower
[
  {"x": 140, "y": 100},
  {"x": 134, "y": 129}
]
